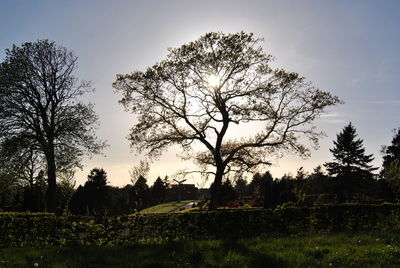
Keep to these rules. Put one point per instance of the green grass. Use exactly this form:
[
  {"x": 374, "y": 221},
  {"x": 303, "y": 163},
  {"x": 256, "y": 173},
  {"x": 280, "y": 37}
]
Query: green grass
[
  {"x": 338, "y": 250},
  {"x": 166, "y": 207}
]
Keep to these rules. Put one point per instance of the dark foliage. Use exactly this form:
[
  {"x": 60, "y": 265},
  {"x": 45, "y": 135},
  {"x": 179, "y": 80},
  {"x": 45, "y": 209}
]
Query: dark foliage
[
  {"x": 391, "y": 152},
  {"x": 227, "y": 193},
  {"x": 39, "y": 106},
  {"x": 49, "y": 230},
  {"x": 349, "y": 154},
  {"x": 94, "y": 197},
  {"x": 351, "y": 167}
]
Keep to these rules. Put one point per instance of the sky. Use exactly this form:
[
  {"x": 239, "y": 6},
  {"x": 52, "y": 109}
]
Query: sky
[{"x": 350, "y": 48}]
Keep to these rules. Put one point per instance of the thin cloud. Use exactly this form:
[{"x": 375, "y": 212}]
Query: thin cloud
[
  {"x": 333, "y": 118},
  {"x": 330, "y": 115},
  {"x": 379, "y": 102}
]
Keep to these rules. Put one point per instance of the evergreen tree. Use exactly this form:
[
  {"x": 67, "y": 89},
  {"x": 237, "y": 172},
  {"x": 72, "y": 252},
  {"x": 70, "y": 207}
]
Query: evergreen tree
[
  {"x": 391, "y": 165},
  {"x": 158, "y": 191},
  {"x": 391, "y": 152},
  {"x": 97, "y": 177},
  {"x": 228, "y": 193},
  {"x": 349, "y": 154},
  {"x": 241, "y": 187},
  {"x": 351, "y": 167},
  {"x": 141, "y": 190},
  {"x": 94, "y": 197},
  {"x": 269, "y": 200}
]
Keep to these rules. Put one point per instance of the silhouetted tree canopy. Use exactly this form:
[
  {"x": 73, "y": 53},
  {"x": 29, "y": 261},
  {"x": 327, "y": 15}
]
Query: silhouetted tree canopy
[
  {"x": 228, "y": 193},
  {"x": 351, "y": 166},
  {"x": 159, "y": 191},
  {"x": 97, "y": 177},
  {"x": 141, "y": 192},
  {"x": 94, "y": 197},
  {"x": 349, "y": 154},
  {"x": 39, "y": 103},
  {"x": 205, "y": 87},
  {"x": 391, "y": 152},
  {"x": 20, "y": 160}
]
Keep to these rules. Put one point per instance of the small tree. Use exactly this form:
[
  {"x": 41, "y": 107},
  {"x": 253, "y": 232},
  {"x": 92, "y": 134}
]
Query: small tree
[
  {"x": 20, "y": 160},
  {"x": 241, "y": 187},
  {"x": 94, "y": 197},
  {"x": 141, "y": 193},
  {"x": 392, "y": 152},
  {"x": 158, "y": 191},
  {"x": 39, "y": 103},
  {"x": 228, "y": 193},
  {"x": 391, "y": 164},
  {"x": 201, "y": 89},
  {"x": 349, "y": 154},
  {"x": 392, "y": 177},
  {"x": 351, "y": 166},
  {"x": 268, "y": 190},
  {"x": 97, "y": 177}
]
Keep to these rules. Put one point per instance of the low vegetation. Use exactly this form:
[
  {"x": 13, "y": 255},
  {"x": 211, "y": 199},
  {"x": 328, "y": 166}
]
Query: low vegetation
[
  {"x": 43, "y": 229},
  {"x": 335, "y": 250}
]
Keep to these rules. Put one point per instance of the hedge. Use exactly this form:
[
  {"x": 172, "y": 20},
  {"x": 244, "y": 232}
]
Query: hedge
[{"x": 44, "y": 229}]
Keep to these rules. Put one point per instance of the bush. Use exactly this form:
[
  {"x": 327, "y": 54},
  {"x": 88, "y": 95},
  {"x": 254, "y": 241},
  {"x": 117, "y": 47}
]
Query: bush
[
  {"x": 233, "y": 204},
  {"x": 258, "y": 201},
  {"x": 44, "y": 229}
]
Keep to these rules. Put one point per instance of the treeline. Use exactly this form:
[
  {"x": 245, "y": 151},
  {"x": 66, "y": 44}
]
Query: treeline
[
  {"x": 349, "y": 178},
  {"x": 96, "y": 197}
]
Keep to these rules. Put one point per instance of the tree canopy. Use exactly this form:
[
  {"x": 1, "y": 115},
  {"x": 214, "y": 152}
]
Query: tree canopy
[
  {"x": 349, "y": 154},
  {"x": 39, "y": 104},
  {"x": 204, "y": 87},
  {"x": 391, "y": 152},
  {"x": 391, "y": 163}
]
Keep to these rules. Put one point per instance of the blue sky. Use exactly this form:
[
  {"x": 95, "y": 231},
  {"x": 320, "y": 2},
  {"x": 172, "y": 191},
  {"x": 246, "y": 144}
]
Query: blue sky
[{"x": 350, "y": 48}]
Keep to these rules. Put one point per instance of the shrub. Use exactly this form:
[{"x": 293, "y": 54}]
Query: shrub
[
  {"x": 44, "y": 229},
  {"x": 233, "y": 204},
  {"x": 258, "y": 201}
]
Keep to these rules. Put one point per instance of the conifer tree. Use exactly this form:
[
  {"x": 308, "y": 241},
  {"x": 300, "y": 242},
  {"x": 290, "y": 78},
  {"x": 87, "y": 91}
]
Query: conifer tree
[
  {"x": 391, "y": 152},
  {"x": 349, "y": 154},
  {"x": 391, "y": 164}
]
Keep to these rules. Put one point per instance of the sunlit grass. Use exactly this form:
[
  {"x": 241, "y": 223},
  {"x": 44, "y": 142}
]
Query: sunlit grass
[
  {"x": 335, "y": 250},
  {"x": 166, "y": 207}
]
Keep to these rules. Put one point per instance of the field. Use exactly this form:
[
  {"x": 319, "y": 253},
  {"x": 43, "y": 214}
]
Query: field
[
  {"x": 334, "y": 250},
  {"x": 166, "y": 207}
]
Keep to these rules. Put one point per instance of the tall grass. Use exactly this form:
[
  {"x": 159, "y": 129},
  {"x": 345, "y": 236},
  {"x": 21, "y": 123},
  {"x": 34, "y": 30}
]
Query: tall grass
[{"x": 334, "y": 250}]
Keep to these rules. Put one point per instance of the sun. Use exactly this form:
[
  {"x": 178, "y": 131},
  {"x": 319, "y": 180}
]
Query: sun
[{"x": 213, "y": 80}]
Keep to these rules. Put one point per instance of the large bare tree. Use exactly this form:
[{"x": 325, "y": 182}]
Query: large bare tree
[
  {"x": 203, "y": 87},
  {"x": 39, "y": 104}
]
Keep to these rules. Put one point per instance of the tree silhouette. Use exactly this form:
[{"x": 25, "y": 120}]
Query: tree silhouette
[
  {"x": 159, "y": 191},
  {"x": 141, "y": 193},
  {"x": 39, "y": 103},
  {"x": 201, "y": 89},
  {"x": 94, "y": 197},
  {"x": 349, "y": 154},
  {"x": 21, "y": 160},
  {"x": 97, "y": 177},
  {"x": 392, "y": 177},
  {"x": 390, "y": 172},
  {"x": 391, "y": 152},
  {"x": 351, "y": 166}
]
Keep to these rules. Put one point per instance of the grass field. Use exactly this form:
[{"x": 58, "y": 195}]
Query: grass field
[
  {"x": 338, "y": 250},
  {"x": 166, "y": 207}
]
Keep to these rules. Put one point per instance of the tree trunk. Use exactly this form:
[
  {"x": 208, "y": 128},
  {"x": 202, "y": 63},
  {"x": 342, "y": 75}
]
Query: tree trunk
[
  {"x": 51, "y": 182},
  {"x": 215, "y": 189}
]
